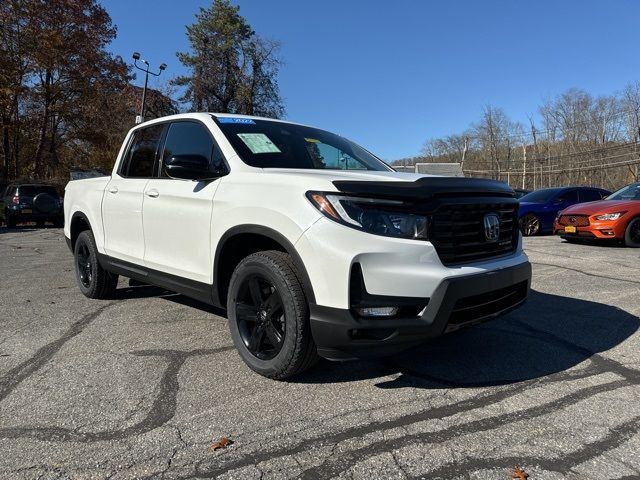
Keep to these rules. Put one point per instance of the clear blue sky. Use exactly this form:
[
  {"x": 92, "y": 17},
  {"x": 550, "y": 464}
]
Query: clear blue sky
[{"x": 391, "y": 74}]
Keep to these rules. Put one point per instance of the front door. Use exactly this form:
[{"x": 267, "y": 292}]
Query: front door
[
  {"x": 177, "y": 213},
  {"x": 122, "y": 203}
]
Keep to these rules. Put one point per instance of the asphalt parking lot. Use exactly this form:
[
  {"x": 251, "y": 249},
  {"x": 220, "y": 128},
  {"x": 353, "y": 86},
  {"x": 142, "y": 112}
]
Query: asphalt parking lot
[{"x": 141, "y": 386}]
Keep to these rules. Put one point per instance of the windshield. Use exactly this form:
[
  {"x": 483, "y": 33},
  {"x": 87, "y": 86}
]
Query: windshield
[
  {"x": 270, "y": 144},
  {"x": 540, "y": 196},
  {"x": 630, "y": 192}
]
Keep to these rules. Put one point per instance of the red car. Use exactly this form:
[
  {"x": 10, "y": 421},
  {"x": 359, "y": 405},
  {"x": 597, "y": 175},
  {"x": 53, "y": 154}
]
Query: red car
[{"x": 616, "y": 217}]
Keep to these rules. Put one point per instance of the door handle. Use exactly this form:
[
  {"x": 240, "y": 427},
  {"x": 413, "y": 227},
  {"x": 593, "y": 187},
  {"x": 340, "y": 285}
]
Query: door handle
[
  {"x": 153, "y": 193},
  {"x": 113, "y": 190}
]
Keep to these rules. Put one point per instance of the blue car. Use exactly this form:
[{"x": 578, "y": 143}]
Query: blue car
[{"x": 538, "y": 209}]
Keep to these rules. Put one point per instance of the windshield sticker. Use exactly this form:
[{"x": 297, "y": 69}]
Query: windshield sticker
[
  {"x": 312, "y": 140},
  {"x": 244, "y": 121},
  {"x": 258, "y": 143}
]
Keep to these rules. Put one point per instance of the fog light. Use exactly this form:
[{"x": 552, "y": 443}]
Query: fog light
[{"x": 377, "y": 311}]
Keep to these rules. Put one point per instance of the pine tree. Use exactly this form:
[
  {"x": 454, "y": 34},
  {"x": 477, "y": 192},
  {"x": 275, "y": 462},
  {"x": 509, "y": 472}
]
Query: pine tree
[{"x": 233, "y": 70}]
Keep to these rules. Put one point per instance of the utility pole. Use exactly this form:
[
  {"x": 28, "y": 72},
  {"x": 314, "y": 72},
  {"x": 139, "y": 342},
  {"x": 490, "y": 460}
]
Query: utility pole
[
  {"x": 136, "y": 57},
  {"x": 524, "y": 165},
  {"x": 464, "y": 153},
  {"x": 548, "y": 155},
  {"x": 536, "y": 153}
]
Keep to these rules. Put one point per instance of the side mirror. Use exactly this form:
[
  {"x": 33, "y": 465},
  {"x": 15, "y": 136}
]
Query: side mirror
[{"x": 189, "y": 167}]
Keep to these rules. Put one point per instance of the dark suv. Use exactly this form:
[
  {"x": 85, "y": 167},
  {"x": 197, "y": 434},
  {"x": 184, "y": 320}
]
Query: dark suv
[{"x": 32, "y": 203}]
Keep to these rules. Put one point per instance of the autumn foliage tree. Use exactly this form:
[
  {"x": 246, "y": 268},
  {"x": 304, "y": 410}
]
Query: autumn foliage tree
[
  {"x": 57, "y": 83},
  {"x": 231, "y": 68}
]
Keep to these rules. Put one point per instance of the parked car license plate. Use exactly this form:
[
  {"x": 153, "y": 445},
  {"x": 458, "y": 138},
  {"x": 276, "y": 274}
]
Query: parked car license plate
[
  {"x": 570, "y": 229},
  {"x": 26, "y": 210}
]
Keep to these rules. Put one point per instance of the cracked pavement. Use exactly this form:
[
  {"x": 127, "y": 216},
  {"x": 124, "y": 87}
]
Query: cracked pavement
[{"x": 141, "y": 385}]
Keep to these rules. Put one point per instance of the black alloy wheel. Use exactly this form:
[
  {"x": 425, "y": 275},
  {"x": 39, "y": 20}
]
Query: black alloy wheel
[
  {"x": 83, "y": 265},
  {"x": 632, "y": 233},
  {"x": 269, "y": 315},
  {"x": 260, "y": 317},
  {"x": 93, "y": 280},
  {"x": 530, "y": 225}
]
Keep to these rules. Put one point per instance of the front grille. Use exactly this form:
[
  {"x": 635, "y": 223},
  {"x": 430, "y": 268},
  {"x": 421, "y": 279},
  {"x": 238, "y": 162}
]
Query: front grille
[
  {"x": 470, "y": 309},
  {"x": 458, "y": 231},
  {"x": 575, "y": 220}
]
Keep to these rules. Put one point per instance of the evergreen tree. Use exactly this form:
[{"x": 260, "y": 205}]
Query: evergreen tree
[{"x": 232, "y": 69}]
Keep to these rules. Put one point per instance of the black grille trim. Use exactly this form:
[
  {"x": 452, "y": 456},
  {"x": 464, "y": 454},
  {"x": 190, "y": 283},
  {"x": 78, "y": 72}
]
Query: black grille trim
[
  {"x": 457, "y": 207},
  {"x": 457, "y": 231},
  {"x": 477, "y": 307}
]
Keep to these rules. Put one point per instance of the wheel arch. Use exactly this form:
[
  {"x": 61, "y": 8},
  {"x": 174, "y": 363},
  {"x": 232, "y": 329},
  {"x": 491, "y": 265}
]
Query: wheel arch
[
  {"x": 242, "y": 240},
  {"x": 78, "y": 224}
]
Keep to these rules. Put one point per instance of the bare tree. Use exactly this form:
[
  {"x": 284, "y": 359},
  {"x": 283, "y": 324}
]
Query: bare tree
[
  {"x": 496, "y": 135},
  {"x": 630, "y": 104}
]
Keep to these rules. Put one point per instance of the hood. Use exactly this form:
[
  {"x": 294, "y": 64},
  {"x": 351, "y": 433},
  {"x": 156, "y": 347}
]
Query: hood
[
  {"x": 355, "y": 175},
  {"x": 602, "y": 206},
  {"x": 392, "y": 184}
]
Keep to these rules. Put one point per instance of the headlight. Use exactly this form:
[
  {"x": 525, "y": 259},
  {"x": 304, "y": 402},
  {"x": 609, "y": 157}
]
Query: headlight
[
  {"x": 610, "y": 216},
  {"x": 377, "y": 216}
]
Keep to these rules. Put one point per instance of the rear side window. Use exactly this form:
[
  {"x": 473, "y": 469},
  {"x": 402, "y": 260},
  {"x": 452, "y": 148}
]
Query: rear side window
[
  {"x": 591, "y": 195},
  {"x": 191, "y": 138},
  {"x": 141, "y": 156},
  {"x": 568, "y": 197}
]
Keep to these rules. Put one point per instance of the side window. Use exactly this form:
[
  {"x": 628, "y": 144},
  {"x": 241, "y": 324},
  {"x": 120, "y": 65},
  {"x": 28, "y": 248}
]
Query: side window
[
  {"x": 327, "y": 156},
  {"x": 142, "y": 152},
  {"x": 590, "y": 195},
  {"x": 568, "y": 197},
  {"x": 191, "y": 138}
]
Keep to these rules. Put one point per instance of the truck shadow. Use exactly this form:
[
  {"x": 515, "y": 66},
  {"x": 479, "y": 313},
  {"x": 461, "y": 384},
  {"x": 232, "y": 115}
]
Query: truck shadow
[
  {"x": 141, "y": 290},
  {"x": 548, "y": 335}
]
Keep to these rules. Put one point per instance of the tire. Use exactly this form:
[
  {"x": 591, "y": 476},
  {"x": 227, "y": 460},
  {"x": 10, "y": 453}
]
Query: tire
[
  {"x": 269, "y": 316},
  {"x": 44, "y": 203},
  {"x": 11, "y": 221},
  {"x": 93, "y": 280},
  {"x": 530, "y": 225},
  {"x": 632, "y": 233},
  {"x": 40, "y": 224}
]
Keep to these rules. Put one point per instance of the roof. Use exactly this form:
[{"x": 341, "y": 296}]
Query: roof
[{"x": 208, "y": 115}]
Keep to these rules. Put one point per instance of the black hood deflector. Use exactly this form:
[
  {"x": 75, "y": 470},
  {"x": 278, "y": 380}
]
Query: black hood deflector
[{"x": 426, "y": 188}]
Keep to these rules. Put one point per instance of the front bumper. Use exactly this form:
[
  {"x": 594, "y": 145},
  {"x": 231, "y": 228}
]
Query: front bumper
[
  {"x": 596, "y": 230},
  {"x": 390, "y": 266},
  {"x": 457, "y": 302}
]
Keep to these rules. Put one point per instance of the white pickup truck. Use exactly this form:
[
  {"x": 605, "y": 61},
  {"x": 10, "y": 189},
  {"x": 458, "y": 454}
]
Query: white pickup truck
[{"x": 315, "y": 247}]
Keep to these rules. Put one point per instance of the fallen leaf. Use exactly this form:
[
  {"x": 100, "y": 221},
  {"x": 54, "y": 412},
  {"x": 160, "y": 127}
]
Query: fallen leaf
[
  {"x": 224, "y": 442},
  {"x": 519, "y": 473}
]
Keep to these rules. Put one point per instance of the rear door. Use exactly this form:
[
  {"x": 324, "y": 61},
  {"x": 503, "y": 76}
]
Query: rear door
[
  {"x": 177, "y": 213},
  {"x": 122, "y": 204}
]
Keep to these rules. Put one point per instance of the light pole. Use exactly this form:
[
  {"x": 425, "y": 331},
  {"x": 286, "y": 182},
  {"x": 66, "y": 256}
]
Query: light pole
[{"x": 136, "y": 57}]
